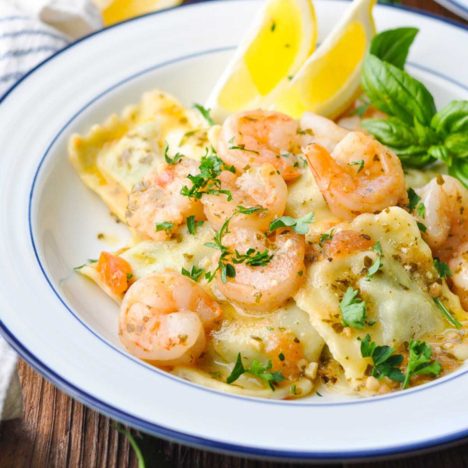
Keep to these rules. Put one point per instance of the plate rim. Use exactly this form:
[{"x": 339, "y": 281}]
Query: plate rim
[{"x": 193, "y": 440}]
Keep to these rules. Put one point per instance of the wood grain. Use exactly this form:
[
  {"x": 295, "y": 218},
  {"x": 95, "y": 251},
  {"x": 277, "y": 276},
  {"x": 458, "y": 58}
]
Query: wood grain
[{"x": 57, "y": 431}]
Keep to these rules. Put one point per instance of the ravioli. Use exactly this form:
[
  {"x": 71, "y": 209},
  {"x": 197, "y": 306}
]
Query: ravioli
[
  {"x": 397, "y": 297},
  {"x": 111, "y": 158}
]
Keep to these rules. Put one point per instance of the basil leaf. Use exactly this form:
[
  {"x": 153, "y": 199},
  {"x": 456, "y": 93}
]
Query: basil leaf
[
  {"x": 391, "y": 132},
  {"x": 392, "y": 46},
  {"x": 453, "y": 118},
  {"x": 459, "y": 169},
  {"x": 457, "y": 144},
  {"x": 396, "y": 93}
]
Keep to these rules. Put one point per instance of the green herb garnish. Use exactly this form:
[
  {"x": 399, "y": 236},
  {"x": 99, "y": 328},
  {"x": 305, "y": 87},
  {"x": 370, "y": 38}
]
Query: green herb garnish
[
  {"x": 253, "y": 257},
  {"x": 207, "y": 182},
  {"x": 385, "y": 363},
  {"x": 300, "y": 225},
  {"x": 420, "y": 362},
  {"x": 193, "y": 224},
  {"x": 175, "y": 159},
  {"x": 446, "y": 313},
  {"x": 262, "y": 371},
  {"x": 165, "y": 226},
  {"x": 250, "y": 210},
  {"x": 442, "y": 268},
  {"x": 359, "y": 163},
  {"x": 194, "y": 273},
  {"x": 325, "y": 237},
  {"x": 353, "y": 309},
  {"x": 377, "y": 265},
  {"x": 205, "y": 113}
]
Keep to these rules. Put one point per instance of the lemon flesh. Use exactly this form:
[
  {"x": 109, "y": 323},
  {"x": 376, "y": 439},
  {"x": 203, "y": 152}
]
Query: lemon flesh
[
  {"x": 328, "y": 82},
  {"x": 281, "y": 39}
]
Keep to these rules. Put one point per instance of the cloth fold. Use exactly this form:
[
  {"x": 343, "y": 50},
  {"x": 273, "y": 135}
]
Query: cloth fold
[{"x": 30, "y": 31}]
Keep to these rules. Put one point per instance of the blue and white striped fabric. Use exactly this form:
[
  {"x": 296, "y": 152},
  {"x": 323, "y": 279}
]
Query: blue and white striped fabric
[{"x": 24, "y": 42}]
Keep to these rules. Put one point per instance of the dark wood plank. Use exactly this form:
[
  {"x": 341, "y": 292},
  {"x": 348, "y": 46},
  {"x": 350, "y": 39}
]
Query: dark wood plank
[{"x": 57, "y": 431}]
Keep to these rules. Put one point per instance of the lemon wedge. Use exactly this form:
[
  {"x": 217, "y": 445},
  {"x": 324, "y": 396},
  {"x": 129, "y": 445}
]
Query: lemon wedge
[
  {"x": 328, "y": 82},
  {"x": 282, "y": 37},
  {"x": 114, "y": 11}
]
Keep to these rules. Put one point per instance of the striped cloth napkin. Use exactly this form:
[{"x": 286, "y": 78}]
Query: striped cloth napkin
[{"x": 30, "y": 31}]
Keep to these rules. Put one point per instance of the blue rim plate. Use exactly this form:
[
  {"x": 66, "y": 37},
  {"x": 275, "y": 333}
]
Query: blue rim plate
[{"x": 65, "y": 328}]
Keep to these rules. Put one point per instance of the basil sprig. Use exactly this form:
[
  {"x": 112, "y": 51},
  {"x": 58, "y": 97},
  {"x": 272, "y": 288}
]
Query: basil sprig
[{"x": 414, "y": 129}]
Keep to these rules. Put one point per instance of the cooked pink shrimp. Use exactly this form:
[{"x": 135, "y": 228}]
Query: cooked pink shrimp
[
  {"x": 446, "y": 215},
  {"x": 265, "y": 287},
  {"x": 258, "y": 187},
  {"x": 255, "y": 137},
  {"x": 320, "y": 130},
  {"x": 156, "y": 207},
  {"x": 360, "y": 176},
  {"x": 164, "y": 318}
]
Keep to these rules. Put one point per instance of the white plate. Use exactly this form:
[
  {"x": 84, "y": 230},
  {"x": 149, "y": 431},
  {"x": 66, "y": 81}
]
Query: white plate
[
  {"x": 459, "y": 7},
  {"x": 66, "y": 327}
]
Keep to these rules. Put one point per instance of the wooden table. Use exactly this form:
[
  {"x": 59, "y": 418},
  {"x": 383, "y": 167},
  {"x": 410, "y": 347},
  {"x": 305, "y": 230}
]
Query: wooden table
[{"x": 57, "y": 431}]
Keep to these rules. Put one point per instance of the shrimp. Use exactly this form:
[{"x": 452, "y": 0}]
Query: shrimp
[
  {"x": 320, "y": 130},
  {"x": 156, "y": 207},
  {"x": 446, "y": 215},
  {"x": 265, "y": 287},
  {"x": 164, "y": 318},
  {"x": 445, "y": 202},
  {"x": 360, "y": 176},
  {"x": 346, "y": 242},
  {"x": 255, "y": 137},
  {"x": 259, "y": 187}
]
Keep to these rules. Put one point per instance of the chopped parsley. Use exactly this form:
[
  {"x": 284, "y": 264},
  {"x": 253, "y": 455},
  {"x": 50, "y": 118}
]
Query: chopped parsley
[
  {"x": 165, "y": 226},
  {"x": 174, "y": 159},
  {"x": 240, "y": 147},
  {"x": 273, "y": 26},
  {"x": 385, "y": 363},
  {"x": 325, "y": 237},
  {"x": 446, "y": 313},
  {"x": 420, "y": 362},
  {"x": 281, "y": 356},
  {"x": 195, "y": 273},
  {"x": 250, "y": 210},
  {"x": 253, "y": 257},
  {"x": 300, "y": 225},
  {"x": 193, "y": 224},
  {"x": 377, "y": 265},
  {"x": 442, "y": 268},
  {"x": 211, "y": 166},
  {"x": 422, "y": 227},
  {"x": 262, "y": 371},
  {"x": 359, "y": 163},
  {"x": 353, "y": 309},
  {"x": 415, "y": 204},
  {"x": 205, "y": 113}
]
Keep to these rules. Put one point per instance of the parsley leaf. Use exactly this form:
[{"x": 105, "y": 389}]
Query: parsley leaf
[
  {"x": 422, "y": 227},
  {"x": 164, "y": 226},
  {"x": 359, "y": 163},
  {"x": 442, "y": 268},
  {"x": 377, "y": 265},
  {"x": 446, "y": 313},
  {"x": 205, "y": 113},
  {"x": 253, "y": 257},
  {"x": 300, "y": 225},
  {"x": 250, "y": 210},
  {"x": 243, "y": 148},
  {"x": 420, "y": 362},
  {"x": 353, "y": 309},
  {"x": 237, "y": 371},
  {"x": 195, "y": 273},
  {"x": 415, "y": 203},
  {"x": 211, "y": 166},
  {"x": 193, "y": 225},
  {"x": 385, "y": 363},
  {"x": 325, "y": 237},
  {"x": 175, "y": 159},
  {"x": 262, "y": 371}
]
